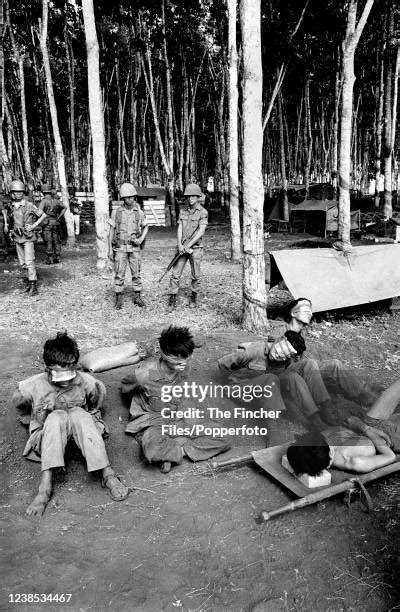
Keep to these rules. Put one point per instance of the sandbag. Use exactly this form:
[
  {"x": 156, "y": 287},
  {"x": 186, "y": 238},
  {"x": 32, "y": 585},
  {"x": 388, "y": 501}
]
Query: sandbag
[{"x": 109, "y": 357}]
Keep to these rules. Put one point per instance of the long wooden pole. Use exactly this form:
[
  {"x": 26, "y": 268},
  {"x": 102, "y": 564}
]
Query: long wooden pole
[{"x": 326, "y": 493}]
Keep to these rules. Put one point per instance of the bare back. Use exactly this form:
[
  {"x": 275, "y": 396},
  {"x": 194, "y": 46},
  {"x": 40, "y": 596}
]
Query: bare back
[
  {"x": 356, "y": 452},
  {"x": 346, "y": 445}
]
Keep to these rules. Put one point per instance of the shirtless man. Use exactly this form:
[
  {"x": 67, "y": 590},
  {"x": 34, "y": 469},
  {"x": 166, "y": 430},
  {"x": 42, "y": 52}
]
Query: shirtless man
[{"x": 365, "y": 446}]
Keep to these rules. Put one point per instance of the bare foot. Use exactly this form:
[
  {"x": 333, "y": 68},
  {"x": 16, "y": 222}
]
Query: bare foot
[
  {"x": 38, "y": 506},
  {"x": 118, "y": 491}
]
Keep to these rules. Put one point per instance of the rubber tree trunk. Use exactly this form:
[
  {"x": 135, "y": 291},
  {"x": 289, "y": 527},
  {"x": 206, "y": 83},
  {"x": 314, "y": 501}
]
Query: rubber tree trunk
[
  {"x": 171, "y": 144},
  {"x": 100, "y": 185},
  {"x": 54, "y": 121},
  {"x": 388, "y": 117},
  {"x": 378, "y": 129},
  {"x": 254, "y": 294},
  {"x": 335, "y": 128},
  {"x": 19, "y": 59},
  {"x": 233, "y": 135},
  {"x": 353, "y": 33},
  {"x": 71, "y": 82},
  {"x": 307, "y": 137},
  {"x": 284, "y": 186}
]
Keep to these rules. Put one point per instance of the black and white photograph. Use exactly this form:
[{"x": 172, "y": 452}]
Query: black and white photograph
[{"x": 200, "y": 305}]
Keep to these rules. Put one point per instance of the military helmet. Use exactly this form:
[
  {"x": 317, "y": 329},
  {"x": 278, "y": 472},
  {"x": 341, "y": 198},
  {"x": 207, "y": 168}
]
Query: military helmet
[
  {"x": 193, "y": 190},
  {"x": 46, "y": 188},
  {"x": 17, "y": 186},
  {"x": 127, "y": 190}
]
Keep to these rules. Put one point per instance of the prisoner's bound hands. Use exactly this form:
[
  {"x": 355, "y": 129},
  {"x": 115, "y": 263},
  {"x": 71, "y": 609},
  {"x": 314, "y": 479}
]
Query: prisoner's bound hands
[{"x": 281, "y": 350}]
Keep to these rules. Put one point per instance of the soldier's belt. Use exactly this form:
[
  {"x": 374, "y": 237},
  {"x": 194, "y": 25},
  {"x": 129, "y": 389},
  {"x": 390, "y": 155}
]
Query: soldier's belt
[{"x": 127, "y": 242}]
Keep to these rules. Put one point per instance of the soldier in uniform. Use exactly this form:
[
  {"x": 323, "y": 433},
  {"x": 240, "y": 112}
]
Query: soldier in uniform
[
  {"x": 193, "y": 220},
  {"x": 27, "y": 217},
  {"x": 54, "y": 210},
  {"x": 128, "y": 231}
]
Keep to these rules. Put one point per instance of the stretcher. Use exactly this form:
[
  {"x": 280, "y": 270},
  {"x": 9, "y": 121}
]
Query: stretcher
[{"x": 269, "y": 459}]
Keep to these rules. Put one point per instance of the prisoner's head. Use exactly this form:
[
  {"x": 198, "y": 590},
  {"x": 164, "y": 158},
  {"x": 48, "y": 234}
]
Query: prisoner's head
[
  {"x": 177, "y": 346},
  {"x": 310, "y": 454},
  {"x": 300, "y": 309},
  {"x": 61, "y": 355}
]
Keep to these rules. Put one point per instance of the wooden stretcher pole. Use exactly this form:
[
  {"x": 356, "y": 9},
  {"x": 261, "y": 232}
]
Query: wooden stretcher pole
[
  {"x": 383, "y": 471},
  {"x": 313, "y": 498},
  {"x": 347, "y": 485},
  {"x": 234, "y": 462}
]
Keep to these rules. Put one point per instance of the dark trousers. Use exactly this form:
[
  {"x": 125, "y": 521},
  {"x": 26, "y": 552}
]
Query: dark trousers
[{"x": 51, "y": 235}]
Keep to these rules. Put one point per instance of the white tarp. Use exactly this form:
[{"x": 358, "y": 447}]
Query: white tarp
[{"x": 333, "y": 280}]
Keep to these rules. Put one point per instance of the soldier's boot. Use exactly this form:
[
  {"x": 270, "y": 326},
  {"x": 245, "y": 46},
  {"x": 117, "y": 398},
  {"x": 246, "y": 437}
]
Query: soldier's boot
[
  {"x": 137, "y": 299},
  {"x": 33, "y": 290},
  {"x": 56, "y": 259},
  {"x": 171, "y": 302},
  {"x": 49, "y": 260},
  {"x": 193, "y": 300},
  {"x": 118, "y": 301},
  {"x": 26, "y": 284}
]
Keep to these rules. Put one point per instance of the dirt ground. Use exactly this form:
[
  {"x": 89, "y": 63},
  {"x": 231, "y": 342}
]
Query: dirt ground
[{"x": 188, "y": 540}]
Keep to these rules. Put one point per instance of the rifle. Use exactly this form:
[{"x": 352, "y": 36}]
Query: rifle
[{"x": 177, "y": 256}]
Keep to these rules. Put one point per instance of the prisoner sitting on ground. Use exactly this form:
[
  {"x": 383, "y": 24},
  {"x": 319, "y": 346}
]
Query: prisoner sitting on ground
[
  {"x": 363, "y": 446},
  {"x": 304, "y": 382},
  {"x": 64, "y": 403},
  {"x": 144, "y": 387}
]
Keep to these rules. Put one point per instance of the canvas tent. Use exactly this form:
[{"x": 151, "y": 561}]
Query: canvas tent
[
  {"x": 319, "y": 216},
  {"x": 331, "y": 279}
]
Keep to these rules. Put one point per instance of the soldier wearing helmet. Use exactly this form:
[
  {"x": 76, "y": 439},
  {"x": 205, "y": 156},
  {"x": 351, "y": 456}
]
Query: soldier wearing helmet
[
  {"x": 193, "y": 220},
  {"x": 54, "y": 210},
  {"x": 128, "y": 231},
  {"x": 27, "y": 218}
]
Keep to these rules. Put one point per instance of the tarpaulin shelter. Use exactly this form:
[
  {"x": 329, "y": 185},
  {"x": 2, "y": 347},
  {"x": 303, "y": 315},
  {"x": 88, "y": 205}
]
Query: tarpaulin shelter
[
  {"x": 332, "y": 279},
  {"x": 319, "y": 216}
]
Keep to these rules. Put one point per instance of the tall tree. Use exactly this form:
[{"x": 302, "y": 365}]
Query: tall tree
[
  {"x": 170, "y": 123},
  {"x": 353, "y": 33},
  {"x": 54, "y": 120},
  {"x": 100, "y": 185},
  {"x": 71, "y": 81},
  {"x": 254, "y": 293},
  {"x": 233, "y": 133},
  {"x": 19, "y": 58},
  {"x": 390, "y": 102}
]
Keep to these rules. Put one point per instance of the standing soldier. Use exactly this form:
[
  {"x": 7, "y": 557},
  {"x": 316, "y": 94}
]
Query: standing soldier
[
  {"x": 24, "y": 237},
  {"x": 193, "y": 220},
  {"x": 54, "y": 210},
  {"x": 128, "y": 231}
]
